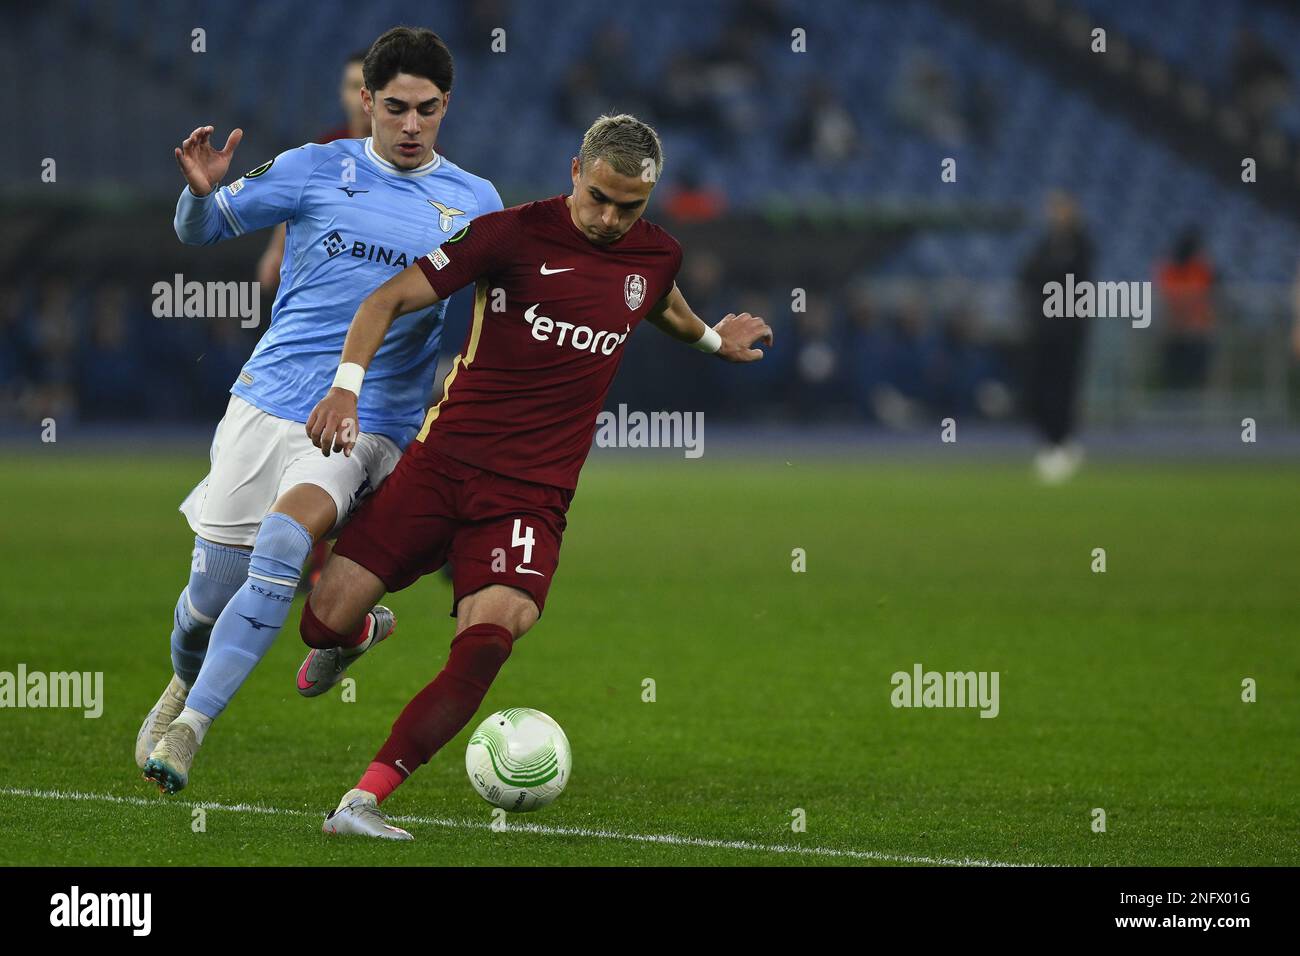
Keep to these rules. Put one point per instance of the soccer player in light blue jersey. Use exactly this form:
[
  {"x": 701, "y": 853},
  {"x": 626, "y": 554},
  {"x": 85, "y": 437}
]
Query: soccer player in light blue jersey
[{"x": 357, "y": 212}]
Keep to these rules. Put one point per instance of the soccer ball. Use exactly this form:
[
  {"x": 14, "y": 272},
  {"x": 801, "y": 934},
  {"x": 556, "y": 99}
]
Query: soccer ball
[{"x": 518, "y": 759}]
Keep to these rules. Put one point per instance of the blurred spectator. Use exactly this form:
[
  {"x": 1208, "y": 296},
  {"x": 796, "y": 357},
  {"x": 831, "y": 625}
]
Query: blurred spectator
[
  {"x": 611, "y": 62},
  {"x": 55, "y": 352},
  {"x": 1295, "y": 319},
  {"x": 578, "y": 99},
  {"x": 689, "y": 200},
  {"x": 911, "y": 362},
  {"x": 925, "y": 98},
  {"x": 817, "y": 359},
  {"x": 758, "y": 390},
  {"x": 967, "y": 380},
  {"x": 113, "y": 381},
  {"x": 1185, "y": 283},
  {"x": 1261, "y": 83},
  {"x": 893, "y": 362},
  {"x": 868, "y": 347},
  {"x": 481, "y": 18},
  {"x": 16, "y": 353},
  {"x": 1055, "y": 345},
  {"x": 733, "y": 75},
  {"x": 702, "y": 276},
  {"x": 351, "y": 81},
  {"x": 762, "y": 19},
  {"x": 824, "y": 128},
  {"x": 682, "y": 100},
  {"x": 602, "y": 82}
]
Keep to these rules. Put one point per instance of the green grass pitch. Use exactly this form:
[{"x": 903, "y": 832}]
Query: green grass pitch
[{"x": 1119, "y": 691}]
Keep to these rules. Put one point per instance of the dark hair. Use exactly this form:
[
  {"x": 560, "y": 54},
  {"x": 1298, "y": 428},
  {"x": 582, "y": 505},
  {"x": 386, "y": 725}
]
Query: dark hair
[
  {"x": 413, "y": 50},
  {"x": 358, "y": 56}
]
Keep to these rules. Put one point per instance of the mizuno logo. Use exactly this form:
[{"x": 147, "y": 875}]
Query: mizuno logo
[
  {"x": 257, "y": 625},
  {"x": 353, "y": 192},
  {"x": 551, "y": 272}
]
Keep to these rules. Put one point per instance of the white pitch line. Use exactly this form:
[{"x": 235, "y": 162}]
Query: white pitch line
[{"x": 667, "y": 839}]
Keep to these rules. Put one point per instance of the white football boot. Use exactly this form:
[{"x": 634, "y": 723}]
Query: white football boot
[
  {"x": 358, "y": 815},
  {"x": 169, "y": 762},
  {"x": 167, "y": 709}
]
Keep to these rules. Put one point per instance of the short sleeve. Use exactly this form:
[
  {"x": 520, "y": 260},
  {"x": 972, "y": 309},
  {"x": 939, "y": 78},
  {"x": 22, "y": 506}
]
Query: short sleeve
[{"x": 481, "y": 248}]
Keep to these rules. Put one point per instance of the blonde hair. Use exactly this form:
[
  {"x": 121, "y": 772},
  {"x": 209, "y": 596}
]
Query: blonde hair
[{"x": 624, "y": 143}]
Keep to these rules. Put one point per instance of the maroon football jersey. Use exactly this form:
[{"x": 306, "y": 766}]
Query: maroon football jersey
[{"x": 552, "y": 315}]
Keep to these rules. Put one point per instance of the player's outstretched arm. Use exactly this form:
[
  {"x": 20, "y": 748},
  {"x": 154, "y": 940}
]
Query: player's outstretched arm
[
  {"x": 733, "y": 338},
  {"x": 332, "y": 424}
]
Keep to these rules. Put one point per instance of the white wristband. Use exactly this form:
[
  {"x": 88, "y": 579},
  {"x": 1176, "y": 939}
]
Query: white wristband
[
  {"x": 349, "y": 376},
  {"x": 709, "y": 342}
]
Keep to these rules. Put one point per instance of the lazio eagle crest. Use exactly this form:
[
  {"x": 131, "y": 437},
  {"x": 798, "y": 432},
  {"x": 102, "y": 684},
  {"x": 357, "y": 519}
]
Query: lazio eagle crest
[{"x": 446, "y": 215}]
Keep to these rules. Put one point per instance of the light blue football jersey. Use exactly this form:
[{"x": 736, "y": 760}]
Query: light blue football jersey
[{"x": 354, "y": 220}]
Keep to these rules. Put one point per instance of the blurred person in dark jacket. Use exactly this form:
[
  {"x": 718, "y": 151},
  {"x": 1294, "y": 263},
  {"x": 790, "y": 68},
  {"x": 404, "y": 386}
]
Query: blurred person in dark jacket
[{"x": 1055, "y": 346}]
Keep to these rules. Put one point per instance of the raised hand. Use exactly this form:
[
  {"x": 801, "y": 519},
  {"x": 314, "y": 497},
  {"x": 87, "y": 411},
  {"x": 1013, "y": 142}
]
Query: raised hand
[
  {"x": 739, "y": 335},
  {"x": 202, "y": 165}
]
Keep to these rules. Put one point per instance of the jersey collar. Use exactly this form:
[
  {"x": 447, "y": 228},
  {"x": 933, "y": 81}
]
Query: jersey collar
[{"x": 388, "y": 167}]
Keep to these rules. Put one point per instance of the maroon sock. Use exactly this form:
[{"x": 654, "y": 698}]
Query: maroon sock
[
  {"x": 379, "y": 779},
  {"x": 442, "y": 709},
  {"x": 316, "y": 634}
]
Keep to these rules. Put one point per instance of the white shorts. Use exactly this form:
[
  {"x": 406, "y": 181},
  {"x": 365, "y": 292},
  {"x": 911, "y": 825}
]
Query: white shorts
[{"x": 256, "y": 457}]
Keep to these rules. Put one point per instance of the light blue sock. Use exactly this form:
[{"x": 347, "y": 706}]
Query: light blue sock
[
  {"x": 247, "y": 627},
  {"x": 216, "y": 573}
]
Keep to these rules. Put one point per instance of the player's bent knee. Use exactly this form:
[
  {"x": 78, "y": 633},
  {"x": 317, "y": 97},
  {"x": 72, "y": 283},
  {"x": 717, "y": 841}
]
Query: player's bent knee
[{"x": 499, "y": 604}]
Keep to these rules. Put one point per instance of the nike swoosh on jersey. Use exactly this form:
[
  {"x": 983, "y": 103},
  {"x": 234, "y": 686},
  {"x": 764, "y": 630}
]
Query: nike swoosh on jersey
[
  {"x": 551, "y": 272},
  {"x": 520, "y": 569}
]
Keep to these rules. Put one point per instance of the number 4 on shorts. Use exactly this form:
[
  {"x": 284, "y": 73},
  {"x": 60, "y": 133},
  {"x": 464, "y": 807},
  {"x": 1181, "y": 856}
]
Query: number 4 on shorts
[{"x": 523, "y": 538}]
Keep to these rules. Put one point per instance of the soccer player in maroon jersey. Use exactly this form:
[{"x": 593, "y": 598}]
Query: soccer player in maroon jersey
[{"x": 560, "y": 285}]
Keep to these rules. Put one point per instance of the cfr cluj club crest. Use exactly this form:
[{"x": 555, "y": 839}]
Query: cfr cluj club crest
[{"x": 634, "y": 291}]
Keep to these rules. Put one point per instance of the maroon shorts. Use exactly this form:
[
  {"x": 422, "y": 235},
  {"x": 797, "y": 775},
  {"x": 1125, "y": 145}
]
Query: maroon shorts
[{"x": 431, "y": 509}]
